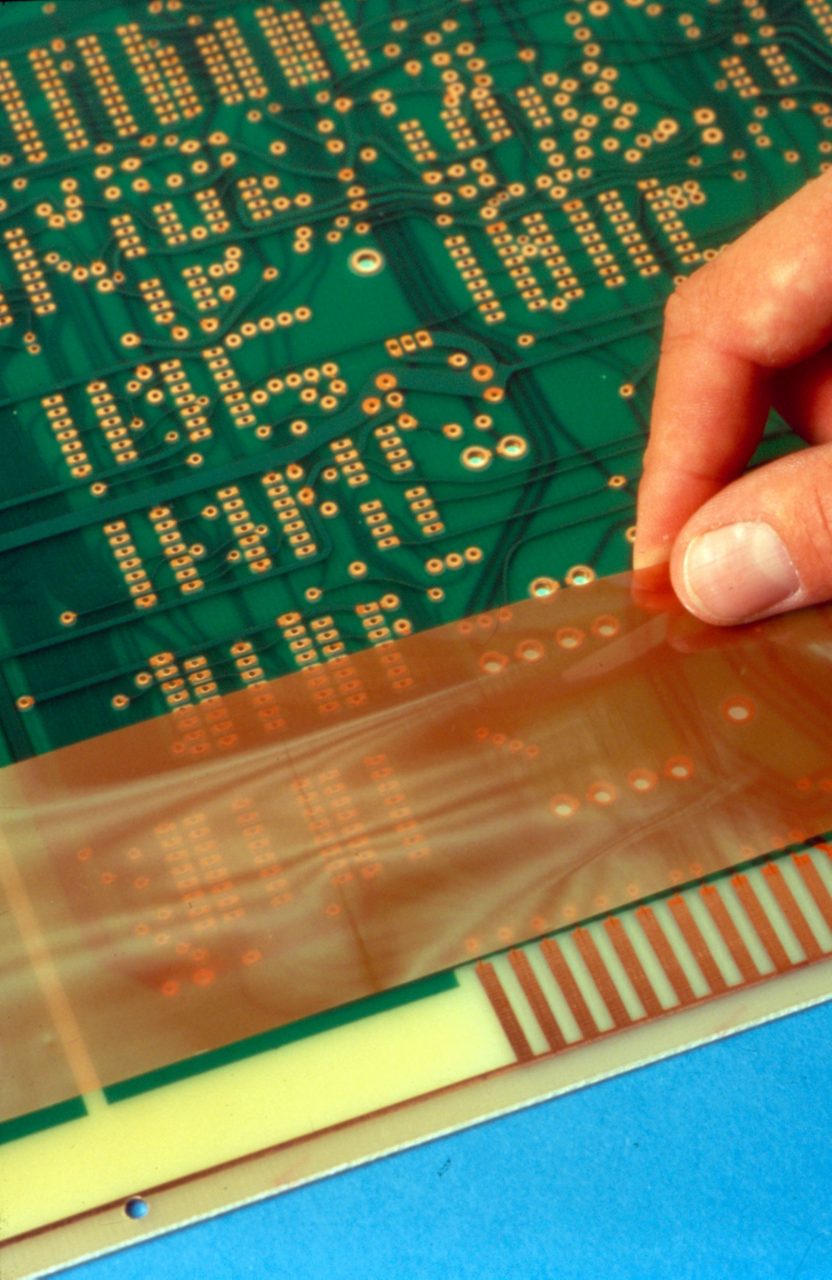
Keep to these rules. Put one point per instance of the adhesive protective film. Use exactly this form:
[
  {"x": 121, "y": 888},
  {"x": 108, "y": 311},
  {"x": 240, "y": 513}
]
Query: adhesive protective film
[{"x": 206, "y": 875}]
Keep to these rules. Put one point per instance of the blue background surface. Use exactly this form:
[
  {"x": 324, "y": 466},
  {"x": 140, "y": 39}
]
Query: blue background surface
[{"x": 717, "y": 1163}]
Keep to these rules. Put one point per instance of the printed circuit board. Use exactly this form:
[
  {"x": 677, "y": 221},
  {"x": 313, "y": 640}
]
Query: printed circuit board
[{"x": 323, "y": 325}]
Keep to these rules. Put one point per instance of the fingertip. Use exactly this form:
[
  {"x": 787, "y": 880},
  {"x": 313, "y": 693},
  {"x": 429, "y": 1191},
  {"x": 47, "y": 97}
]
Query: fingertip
[
  {"x": 646, "y": 557},
  {"x": 652, "y": 588}
]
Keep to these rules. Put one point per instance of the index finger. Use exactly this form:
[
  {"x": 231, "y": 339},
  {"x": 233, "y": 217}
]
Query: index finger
[{"x": 764, "y": 304}]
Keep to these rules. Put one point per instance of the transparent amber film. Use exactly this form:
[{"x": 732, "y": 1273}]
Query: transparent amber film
[{"x": 207, "y": 875}]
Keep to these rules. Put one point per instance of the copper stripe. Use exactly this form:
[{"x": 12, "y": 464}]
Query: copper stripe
[
  {"x": 501, "y": 1005},
  {"x": 601, "y": 977},
  {"x": 762, "y": 925},
  {"x": 533, "y": 992},
  {"x": 666, "y": 955},
  {"x": 572, "y": 994},
  {"x": 798, "y": 923},
  {"x": 813, "y": 882},
  {"x": 722, "y": 920},
  {"x": 633, "y": 968},
  {"x": 699, "y": 948}
]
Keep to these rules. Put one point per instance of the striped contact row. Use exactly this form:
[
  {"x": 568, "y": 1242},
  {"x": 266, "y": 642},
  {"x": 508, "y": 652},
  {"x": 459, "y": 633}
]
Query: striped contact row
[{"x": 651, "y": 960}]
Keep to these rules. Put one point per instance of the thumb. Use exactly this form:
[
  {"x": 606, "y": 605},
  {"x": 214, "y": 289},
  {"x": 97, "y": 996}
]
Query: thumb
[{"x": 762, "y": 545}]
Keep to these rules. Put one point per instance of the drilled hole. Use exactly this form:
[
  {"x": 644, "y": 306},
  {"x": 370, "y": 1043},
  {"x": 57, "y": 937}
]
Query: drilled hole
[
  {"x": 137, "y": 1208},
  {"x": 366, "y": 262}
]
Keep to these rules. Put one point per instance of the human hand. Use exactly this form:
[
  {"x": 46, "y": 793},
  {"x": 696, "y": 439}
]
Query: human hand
[{"x": 749, "y": 331}]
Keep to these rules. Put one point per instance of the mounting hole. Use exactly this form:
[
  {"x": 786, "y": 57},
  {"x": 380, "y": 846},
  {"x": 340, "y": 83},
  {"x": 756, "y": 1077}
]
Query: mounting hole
[
  {"x": 476, "y": 457},
  {"x": 569, "y": 637},
  {"x": 366, "y": 262},
  {"x": 679, "y": 767},
  {"x": 512, "y": 447},
  {"x": 602, "y": 793},
  {"x": 529, "y": 650},
  {"x": 606, "y": 626},
  {"x": 492, "y": 663},
  {"x": 738, "y": 710},
  {"x": 136, "y": 1208},
  {"x": 580, "y": 575},
  {"x": 564, "y": 806}
]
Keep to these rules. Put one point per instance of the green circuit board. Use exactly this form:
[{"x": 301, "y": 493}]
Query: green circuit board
[{"x": 327, "y": 324}]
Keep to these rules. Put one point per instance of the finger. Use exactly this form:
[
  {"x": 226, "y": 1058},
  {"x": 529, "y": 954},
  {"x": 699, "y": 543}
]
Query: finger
[
  {"x": 686, "y": 462},
  {"x": 761, "y": 546},
  {"x": 764, "y": 304},
  {"x": 803, "y": 396}
]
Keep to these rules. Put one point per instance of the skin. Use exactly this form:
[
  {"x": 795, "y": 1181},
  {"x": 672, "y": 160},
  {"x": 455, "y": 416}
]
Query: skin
[{"x": 751, "y": 330}]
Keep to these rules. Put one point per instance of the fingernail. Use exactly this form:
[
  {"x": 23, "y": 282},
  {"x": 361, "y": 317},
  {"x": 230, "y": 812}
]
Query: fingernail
[{"x": 737, "y": 573}]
